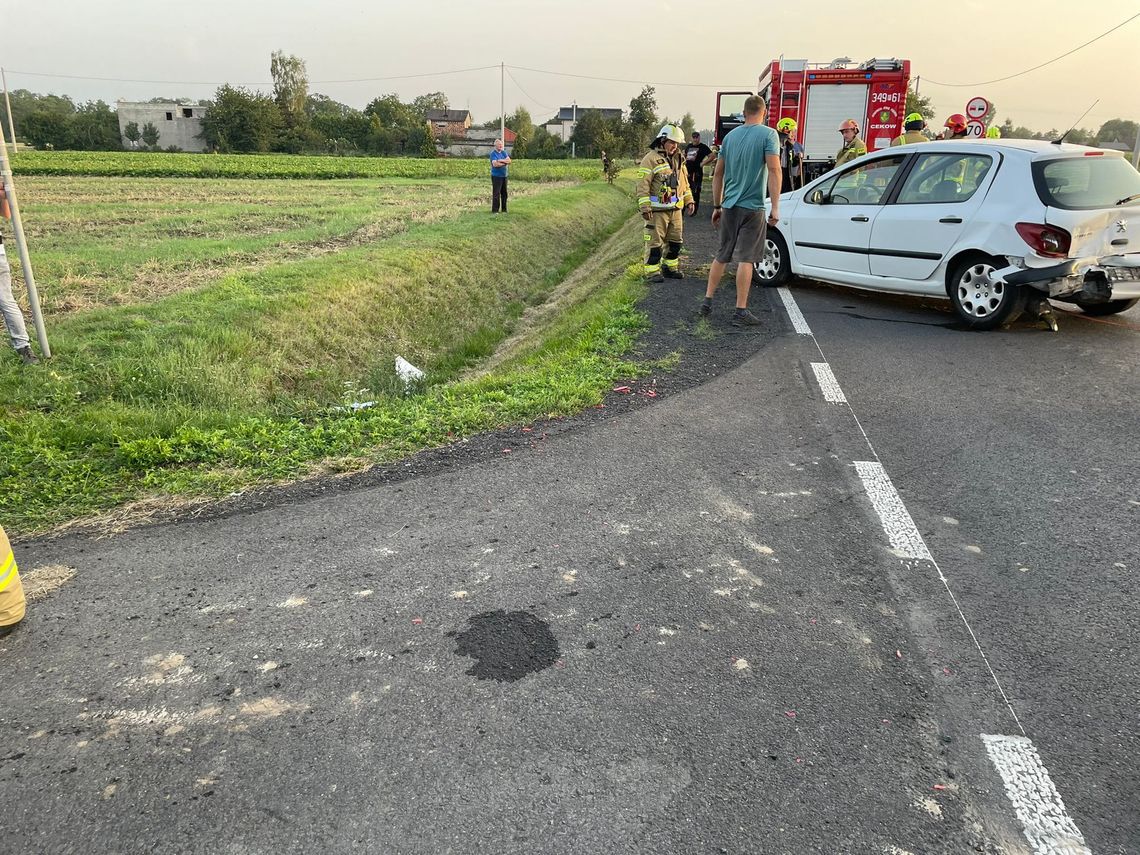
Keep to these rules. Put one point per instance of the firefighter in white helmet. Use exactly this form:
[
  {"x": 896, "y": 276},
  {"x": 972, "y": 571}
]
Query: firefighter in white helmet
[
  {"x": 662, "y": 194},
  {"x": 11, "y": 591},
  {"x": 853, "y": 145}
]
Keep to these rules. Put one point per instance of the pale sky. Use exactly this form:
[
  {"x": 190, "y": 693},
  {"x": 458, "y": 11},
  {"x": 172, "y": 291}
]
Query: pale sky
[{"x": 203, "y": 43}]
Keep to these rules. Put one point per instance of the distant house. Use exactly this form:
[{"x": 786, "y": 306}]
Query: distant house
[
  {"x": 453, "y": 123},
  {"x": 562, "y": 126},
  {"x": 477, "y": 142},
  {"x": 178, "y": 124}
]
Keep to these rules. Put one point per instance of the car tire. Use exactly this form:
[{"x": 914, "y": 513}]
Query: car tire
[
  {"x": 1112, "y": 307},
  {"x": 979, "y": 303},
  {"x": 774, "y": 269}
]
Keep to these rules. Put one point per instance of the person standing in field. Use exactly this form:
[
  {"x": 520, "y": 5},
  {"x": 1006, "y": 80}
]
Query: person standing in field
[
  {"x": 9, "y": 308},
  {"x": 749, "y": 163},
  {"x": 662, "y": 193},
  {"x": 697, "y": 156},
  {"x": 499, "y": 162}
]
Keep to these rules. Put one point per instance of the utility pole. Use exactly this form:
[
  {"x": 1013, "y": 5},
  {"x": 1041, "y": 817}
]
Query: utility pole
[
  {"x": 22, "y": 245},
  {"x": 503, "y": 103},
  {"x": 574, "y": 125},
  {"x": 8, "y": 107}
]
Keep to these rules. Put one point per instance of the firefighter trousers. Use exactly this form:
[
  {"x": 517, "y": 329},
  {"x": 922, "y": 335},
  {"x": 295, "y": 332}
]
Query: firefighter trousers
[
  {"x": 11, "y": 591},
  {"x": 663, "y": 237}
]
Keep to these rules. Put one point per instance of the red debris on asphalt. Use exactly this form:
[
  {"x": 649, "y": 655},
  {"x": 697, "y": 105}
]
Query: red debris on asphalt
[
  {"x": 506, "y": 451},
  {"x": 898, "y": 654},
  {"x": 947, "y": 671},
  {"x": 527, "y": 430},
  {"x": 625, "y": 390},
  {"x": 940, "y": 787},
  {"x": 790, "y": 713},
  {"x": 417, "y": 620}
]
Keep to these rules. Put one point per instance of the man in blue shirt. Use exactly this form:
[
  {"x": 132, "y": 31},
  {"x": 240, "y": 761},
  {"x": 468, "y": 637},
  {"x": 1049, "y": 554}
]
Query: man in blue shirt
[
  {"x": 499, "y": 161},
  {"x": 749, "y": 160}
]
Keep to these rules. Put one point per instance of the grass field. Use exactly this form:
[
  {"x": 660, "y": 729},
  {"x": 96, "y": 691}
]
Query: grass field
[
  {"x": 206, "y": 341},
  {"x": 262, "y": 166},
  {"x": 100, "y": 242}
]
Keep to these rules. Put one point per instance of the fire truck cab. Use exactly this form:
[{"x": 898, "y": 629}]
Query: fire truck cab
[{"x": 821, "y": 96}]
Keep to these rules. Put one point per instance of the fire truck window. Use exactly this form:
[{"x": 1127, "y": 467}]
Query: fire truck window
[
  {"x": 941, "y": 178},
  {"x": 866, "y": 184}
]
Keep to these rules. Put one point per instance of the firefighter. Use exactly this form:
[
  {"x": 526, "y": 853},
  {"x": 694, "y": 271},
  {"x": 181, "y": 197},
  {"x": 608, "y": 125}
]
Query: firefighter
[
  {"x": 993, "y": 133},
  {"x": 955, "y": 128},
  {"x": 791, "y": 155},
  {"x": 914, "y": 127},
  {"x": 853, "y": 145},
  {"x": 11, "y": 591},
  {"x": 662, "y": 193}
]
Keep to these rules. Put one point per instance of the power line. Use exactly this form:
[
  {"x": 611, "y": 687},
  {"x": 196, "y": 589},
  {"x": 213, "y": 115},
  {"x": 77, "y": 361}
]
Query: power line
[
  {"x": 620, "y": 79},
  {"x": 526, "y": 94},
  {"x": 1036, "y": 67},
  {"x": 219, "y": 83}
]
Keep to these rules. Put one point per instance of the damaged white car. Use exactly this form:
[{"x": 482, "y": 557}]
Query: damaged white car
[{"x": 992, "y": 225}]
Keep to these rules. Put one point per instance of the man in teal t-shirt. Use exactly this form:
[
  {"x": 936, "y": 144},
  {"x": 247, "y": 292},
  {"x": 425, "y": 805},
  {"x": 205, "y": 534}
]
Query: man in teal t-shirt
[{"x": 749, "y": 161}]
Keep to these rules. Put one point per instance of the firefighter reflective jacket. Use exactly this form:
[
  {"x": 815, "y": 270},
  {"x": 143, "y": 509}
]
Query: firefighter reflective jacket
[
  {"x": 908, "y": 138},
  {"x": 662, "y": 184},
  {"x": 850, "y": 151},
  {"x": 11, "y": 591}
]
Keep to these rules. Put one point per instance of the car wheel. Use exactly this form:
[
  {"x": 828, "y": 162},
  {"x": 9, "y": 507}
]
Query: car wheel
[
  {"x": 980, "y": 302},
  {"x": 774, "y": 268},
  {"x": 1112, "y": 307}
]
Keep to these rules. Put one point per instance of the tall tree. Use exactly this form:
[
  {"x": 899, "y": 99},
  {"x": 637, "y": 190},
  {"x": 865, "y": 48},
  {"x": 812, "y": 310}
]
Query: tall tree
[
  {"x": 1117, "y": 130},
  {"x": 920, "y": 104},
  {"x": 131, "y": 132},
  {"x": 95, "y": 127},
  {"x": 688, "y": 125},
  {"x": 642, "y": 119},
  {"x": 520, "y": 122},
  {"x": 150, "y": 135},
  {"x": 430, "y": 101},
  {"x": 290, "y": 86}
]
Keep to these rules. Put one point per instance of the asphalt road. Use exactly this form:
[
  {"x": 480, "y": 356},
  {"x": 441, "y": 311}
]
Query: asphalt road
[{"x": 700, "y": 625}]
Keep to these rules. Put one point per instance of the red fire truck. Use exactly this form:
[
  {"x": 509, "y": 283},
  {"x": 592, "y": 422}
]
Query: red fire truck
[{"x": 819, "y": 97}]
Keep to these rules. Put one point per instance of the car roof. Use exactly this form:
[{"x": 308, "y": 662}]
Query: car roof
[{"x": 1036, "y": 149}]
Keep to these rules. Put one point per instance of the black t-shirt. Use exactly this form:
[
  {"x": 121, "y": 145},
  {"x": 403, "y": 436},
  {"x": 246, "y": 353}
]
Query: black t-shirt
[{"x": 695, "y": 154}]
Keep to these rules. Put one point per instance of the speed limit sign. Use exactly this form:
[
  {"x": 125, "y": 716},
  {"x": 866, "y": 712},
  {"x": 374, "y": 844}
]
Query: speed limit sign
[
  {"x": 975, "y": 128},
  {"x": 977, "y": 109}
]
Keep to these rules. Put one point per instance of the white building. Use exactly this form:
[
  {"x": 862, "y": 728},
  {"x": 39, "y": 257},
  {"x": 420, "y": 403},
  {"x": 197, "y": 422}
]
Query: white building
[
  {"x": 562, "y": 126},
  {"x": 177, "y": 124}
]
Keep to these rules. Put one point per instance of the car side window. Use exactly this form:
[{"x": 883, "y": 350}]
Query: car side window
[
  {"x": 947, "y": 177},
  {"x": 866, "y": 184}
]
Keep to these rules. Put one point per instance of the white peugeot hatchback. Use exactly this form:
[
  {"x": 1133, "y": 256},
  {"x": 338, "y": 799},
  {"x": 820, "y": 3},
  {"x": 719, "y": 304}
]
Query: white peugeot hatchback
[{"x": 989, "y": 224}]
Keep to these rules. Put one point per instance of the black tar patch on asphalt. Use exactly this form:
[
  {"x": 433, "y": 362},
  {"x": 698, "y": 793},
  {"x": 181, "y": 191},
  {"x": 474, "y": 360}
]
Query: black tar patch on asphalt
[{"x": 507, "y": 645}]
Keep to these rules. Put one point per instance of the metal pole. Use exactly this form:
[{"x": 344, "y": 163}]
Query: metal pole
[
  {"x": 503, "y": 103},
  {"x": 8, "y": 107},
  {"x": 917, "y": 83},
  {"x": 574, "y": 123},
  {"x": 1136, "y": 151},
  {"x": 22, "y": 246}
]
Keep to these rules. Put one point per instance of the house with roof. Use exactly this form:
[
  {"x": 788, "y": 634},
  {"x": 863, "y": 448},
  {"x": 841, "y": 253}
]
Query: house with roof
[
  {"x": 562, "y": 125},
  {"x": 452, "y": 123}
]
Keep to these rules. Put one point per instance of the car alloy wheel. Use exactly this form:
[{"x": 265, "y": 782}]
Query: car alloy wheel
[
  {"x": 772, "y": 268},
  {"x": 980, "y": 301}
]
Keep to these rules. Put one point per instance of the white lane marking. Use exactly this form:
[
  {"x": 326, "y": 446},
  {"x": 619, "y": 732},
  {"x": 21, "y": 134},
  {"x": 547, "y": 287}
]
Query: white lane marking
[
  {"x": 798, "y": 323},
  {"x": 832, "y": 393},
  {"x": 1038, "y": 805},
  {"x": 896, "y": 519}
]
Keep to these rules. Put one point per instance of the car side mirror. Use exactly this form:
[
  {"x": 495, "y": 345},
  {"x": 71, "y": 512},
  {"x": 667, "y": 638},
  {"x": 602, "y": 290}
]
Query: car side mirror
[{"x": 819, "y": 198}]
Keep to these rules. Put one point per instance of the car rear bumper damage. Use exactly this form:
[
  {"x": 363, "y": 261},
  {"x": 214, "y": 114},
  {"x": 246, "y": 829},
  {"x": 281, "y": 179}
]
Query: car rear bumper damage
[{"x": 1091, "y": 280}]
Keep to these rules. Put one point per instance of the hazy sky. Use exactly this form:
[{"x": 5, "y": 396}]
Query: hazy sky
[{"x": 199, "y": 44}]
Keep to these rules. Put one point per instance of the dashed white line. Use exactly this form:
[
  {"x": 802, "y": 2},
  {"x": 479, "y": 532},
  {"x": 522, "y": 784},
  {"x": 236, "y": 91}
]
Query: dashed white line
[
  {"x": 897, "y": 522},
  {"x": 1048, "y": 827},
  {"x": 798, "y": 323},
  {"x": 832, "y": 392}
]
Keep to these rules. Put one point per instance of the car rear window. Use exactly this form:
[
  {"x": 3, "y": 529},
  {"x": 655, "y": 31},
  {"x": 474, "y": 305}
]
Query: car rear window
[{"x": 1084, "y": 183}]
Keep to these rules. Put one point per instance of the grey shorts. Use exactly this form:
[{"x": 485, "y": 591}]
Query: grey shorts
[{"x": 742, "y": 234}]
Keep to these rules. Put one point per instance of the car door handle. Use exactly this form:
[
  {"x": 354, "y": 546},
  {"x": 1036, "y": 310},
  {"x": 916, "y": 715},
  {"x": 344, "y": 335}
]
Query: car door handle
[
  {"x": 860, "y": 219},
  {"x": 950, "y": 220}
]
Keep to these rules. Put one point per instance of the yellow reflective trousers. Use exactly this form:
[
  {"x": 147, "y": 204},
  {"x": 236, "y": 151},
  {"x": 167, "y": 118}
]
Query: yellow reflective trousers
[{"x": 11, "y": 591}]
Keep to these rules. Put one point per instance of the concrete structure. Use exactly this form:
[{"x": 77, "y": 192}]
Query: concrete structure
[
  {"x": 178, "y": 124},
  {"x": 454, "y": 123},
  {"x": 477, "y": 142},
  {"x": 562, "y": 126}
]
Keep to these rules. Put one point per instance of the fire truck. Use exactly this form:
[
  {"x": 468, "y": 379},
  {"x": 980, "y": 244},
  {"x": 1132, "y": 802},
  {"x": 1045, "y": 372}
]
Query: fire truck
[{"x": 821, "y": 96}]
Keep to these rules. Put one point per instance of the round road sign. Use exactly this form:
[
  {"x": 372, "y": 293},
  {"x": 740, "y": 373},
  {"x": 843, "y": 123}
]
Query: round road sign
[
  {"x": 977, "y": 108},
  {"x": 976, "y": 129}
]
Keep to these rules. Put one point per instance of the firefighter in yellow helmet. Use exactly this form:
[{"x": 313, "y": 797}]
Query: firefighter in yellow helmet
[
  {"x": 662, "y": 194},
  {"x": 791, "y": 155},
  {"x": 914, "y": 127},
  {"x": 853, "y": 145},
  {"x": 11, "y": 591}
]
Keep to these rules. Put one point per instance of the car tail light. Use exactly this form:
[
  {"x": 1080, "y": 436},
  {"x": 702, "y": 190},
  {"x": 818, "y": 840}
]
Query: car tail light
[{"x": 1049, "y": 241}]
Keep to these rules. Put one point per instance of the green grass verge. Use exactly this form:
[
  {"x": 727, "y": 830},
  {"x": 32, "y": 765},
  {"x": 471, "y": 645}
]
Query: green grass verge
[
  {"x": 164, "y": 165},
  {"x": 238, "y": 383}
]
